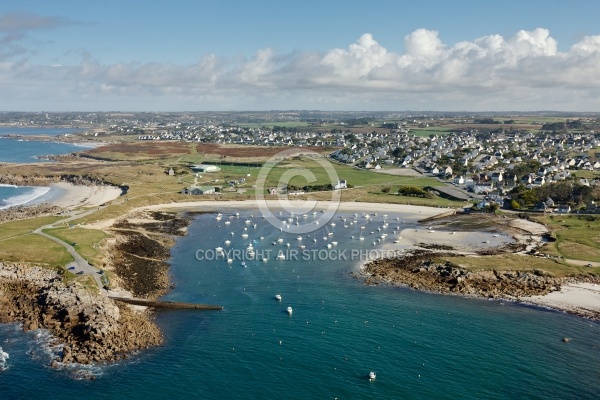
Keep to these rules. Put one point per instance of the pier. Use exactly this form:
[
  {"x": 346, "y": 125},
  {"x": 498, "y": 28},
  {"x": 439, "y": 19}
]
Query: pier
[
  {"x": 166, "y": 304},
  {"x": 438, "y": 216}
]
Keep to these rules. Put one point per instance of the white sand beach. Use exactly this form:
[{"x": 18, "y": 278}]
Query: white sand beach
[
  {"x": 578, "y": 298},
  {"x": 72, "y": 196}
]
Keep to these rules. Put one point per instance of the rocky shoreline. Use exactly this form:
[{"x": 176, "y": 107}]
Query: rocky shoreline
[
  {"x": 423, "y": 270},
  {"x": 89, "y": 327},
  {"x": 139, "y": 251},
  {"x": 38, "y": 180},
  {"x": 18, "y": 213}
]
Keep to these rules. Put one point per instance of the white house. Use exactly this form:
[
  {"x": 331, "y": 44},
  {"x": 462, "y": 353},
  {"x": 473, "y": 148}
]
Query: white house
[{"x": 341, "y": 184}]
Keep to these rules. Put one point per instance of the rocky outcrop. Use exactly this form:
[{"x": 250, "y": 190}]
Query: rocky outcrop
[
  {"x": 140, "y": 250},
  {"x": 90, "y": 327},
  {"x": 419, "y": 271},
  {"x": 25, "y": 212},
  {"x": 39, "y": 180}
]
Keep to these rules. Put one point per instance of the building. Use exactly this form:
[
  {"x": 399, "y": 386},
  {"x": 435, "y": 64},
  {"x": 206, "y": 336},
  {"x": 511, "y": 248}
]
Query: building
[
  {"x": 205, "y": 168},
  {"x": 341, "y": 184},
  {"x": 199, "y": 190}
]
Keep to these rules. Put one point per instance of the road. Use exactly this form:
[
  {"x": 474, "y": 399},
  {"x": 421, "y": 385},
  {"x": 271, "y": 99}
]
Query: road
[{"x": 81, "y": 263}]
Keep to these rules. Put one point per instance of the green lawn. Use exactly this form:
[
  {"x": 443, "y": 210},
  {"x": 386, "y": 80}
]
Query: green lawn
[
  {"x": 88, "y": 240},
  {"x": 18, "y": 228},
  {"x": 34, "y": 248},
  {"x": 577, "y": 236}
]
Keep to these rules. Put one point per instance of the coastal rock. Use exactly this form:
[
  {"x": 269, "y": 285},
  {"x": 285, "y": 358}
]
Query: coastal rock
[
  {"x": 418, "y": 271},
  {"x": 91, "y": 327}
]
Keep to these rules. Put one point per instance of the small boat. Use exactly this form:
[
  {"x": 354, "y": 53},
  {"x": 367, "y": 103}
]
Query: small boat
[
  {"x": 299, "y": 238},
  {"x": 289, "y": 310},
  {"x": 227, "y": 222},
  {"x": 229, "y": 260},
  {"x": 219, "y": 250},
  {"x": 227, "y": 242},
  {"x": 244, "y": 236},
  {"x": 244, "y": 264},
  {"x": 278, "y": 297},
  {"x": 279, "y": 240},
  {"x": 372, "y": 376}
]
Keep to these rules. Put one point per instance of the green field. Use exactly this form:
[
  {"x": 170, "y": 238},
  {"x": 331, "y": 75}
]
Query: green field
[
  {"x": 87, "y": 241},
  {"x": 577, "y": 236}
]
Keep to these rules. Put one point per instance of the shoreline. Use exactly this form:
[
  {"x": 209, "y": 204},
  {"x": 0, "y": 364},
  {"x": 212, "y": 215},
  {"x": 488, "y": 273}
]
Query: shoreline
[
  {"x": 68, "y": 195},
  {"x": 565, "y": 297}
]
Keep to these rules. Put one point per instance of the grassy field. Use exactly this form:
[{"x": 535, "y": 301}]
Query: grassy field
[
  {"x": 577, "y": 236},
  {"x": 517, "y": 262},
  {"x": 32, "y": 248},
  {"x": 87, "y": 241},
  {"x": 15, "y": 229}
]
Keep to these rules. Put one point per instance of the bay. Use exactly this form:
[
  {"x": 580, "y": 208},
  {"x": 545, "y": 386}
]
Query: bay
[{"x": 421, "y": 345}]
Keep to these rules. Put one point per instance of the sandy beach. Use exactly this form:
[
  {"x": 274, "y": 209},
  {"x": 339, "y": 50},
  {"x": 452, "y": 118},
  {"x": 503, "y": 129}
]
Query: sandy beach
[
  {"x": 72, "y": 196},
  {"x": 577, "y": 298}
]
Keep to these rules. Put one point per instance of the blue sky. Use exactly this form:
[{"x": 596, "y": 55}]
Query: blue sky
[{"x": 329, "y": 55}]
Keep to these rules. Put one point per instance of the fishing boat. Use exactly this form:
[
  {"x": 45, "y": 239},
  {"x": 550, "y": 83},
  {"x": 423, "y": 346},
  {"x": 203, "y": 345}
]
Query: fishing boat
[
  {"x": 278, "y": 297},
  {"x": 372, "y": 376},
  {"x": 289, "y": 310}
]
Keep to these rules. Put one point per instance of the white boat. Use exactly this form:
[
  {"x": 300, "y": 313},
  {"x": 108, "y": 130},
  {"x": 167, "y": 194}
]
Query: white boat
[
  {"x": 299, "y": 238},
  {"x": 278, "y": 297},
  {"x": 219, "y": 250},
  {"x": 372, "y": 376},
  {"x": 280, "y": 240},
  {"x": 244, "y": 264},
  {"x": 229, "y": 260},
  {"x": 289, "y": 310},
  {"x": 244, "y": 236},
  {"x": 227, "y": 242}
]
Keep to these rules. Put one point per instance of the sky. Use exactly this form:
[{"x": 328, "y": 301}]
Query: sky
[{"x": 378, "y": 55}]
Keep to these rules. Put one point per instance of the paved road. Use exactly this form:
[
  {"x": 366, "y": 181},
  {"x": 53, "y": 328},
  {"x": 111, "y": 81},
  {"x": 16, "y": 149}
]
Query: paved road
[{"x": 81, "y": 264}]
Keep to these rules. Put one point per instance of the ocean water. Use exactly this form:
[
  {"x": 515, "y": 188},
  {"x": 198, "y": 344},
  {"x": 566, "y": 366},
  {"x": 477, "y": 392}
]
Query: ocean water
[
  {"x": 10, "y": 130},
  {"x": 15, "y": 195},
  {"x": 421, "y": 345},
  {"x": 22, "y": 151}
]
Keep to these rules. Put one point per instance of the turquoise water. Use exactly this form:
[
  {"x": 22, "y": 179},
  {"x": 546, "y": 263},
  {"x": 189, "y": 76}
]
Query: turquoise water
[
  {"x": 421, "y": 345},
  {"x": 27, "y": 151},
  {"x": 23, "y": 151},
  {"x": 9, "y": 130}
]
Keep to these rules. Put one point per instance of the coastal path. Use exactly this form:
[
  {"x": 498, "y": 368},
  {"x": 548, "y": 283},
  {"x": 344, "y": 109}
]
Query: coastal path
[{"x": 81, "y": 263}]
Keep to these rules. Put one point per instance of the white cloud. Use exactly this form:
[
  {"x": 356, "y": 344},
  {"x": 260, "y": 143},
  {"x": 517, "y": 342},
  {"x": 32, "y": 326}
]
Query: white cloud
[{"x": 525, "y": 71}]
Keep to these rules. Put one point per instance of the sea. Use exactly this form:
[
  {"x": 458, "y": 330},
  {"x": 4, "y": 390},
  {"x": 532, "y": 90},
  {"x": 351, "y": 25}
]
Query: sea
[
  {"x": 420, "y": 345},
  {"x": 22, "y": 151}
]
